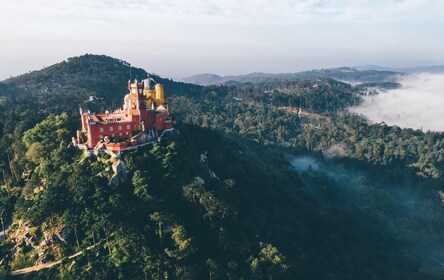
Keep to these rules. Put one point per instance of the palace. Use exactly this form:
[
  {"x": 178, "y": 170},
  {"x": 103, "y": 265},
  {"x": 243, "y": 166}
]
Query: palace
[{"x": 143, "y": 118}]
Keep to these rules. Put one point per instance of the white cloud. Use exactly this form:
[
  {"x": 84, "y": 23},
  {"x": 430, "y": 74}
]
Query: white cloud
[
  {"x": 254, "y": 12},
  {"x": 418, "y": 104}
]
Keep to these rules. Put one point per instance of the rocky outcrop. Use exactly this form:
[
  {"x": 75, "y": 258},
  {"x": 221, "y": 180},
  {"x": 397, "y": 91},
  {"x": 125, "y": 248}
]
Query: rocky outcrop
[{"x": 120, "y": 173}]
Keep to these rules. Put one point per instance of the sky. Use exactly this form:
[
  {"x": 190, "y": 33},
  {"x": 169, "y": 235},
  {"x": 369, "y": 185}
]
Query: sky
[
  {"x": 417, "y": 104},
  {"x": 176, "y": 38}
]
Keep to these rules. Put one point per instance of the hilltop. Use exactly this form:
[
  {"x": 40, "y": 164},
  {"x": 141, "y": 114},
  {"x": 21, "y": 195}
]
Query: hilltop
[{"x": 77, "y": 80}]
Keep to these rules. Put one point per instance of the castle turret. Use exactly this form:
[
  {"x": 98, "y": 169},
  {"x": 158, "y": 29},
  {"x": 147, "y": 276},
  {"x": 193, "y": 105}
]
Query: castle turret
[
  {"x": 160, "y": 99},
  {"x": 149, "y": 92},
  {"x": 84, "y": 115}
]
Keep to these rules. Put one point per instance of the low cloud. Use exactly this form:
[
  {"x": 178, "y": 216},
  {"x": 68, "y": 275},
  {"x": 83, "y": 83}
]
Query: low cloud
[{"x": 417, "y": 104}]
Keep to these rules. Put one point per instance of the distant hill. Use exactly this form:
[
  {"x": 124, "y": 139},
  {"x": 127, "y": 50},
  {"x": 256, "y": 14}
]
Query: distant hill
[
  {"x": 345, "y": 74},
  {"x": 203, "y": 79}
]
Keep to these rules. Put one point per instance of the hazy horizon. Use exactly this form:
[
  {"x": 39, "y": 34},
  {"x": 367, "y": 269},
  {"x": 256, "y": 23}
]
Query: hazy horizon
[
  {"x": 178, "y": 39},
  {"x": 213, "y": 73}
]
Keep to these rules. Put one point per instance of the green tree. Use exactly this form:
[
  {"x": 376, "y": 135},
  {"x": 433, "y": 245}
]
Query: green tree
[{"x": 140, "y": 183}]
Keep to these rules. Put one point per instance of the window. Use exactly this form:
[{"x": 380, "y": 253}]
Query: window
[
  {"x": 101, "y": 129},
  {"x": 112, "y": 135},
  {"x": 120, "y": 127},
  {"x": 120, "y": 134},
  {"x": 127, "y": 133},
  {"x": 128, "y": 126},
  {"x": 111, "y": 128}
]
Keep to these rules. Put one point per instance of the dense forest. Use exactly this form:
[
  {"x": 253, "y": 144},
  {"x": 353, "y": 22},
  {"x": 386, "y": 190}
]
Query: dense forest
[{"x": 263, "y": 180}]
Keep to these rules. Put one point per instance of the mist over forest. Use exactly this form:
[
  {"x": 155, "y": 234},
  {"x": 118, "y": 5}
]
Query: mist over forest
[
  {"x": 394, "y": 205},
  {"x": 417, "y": 104}
]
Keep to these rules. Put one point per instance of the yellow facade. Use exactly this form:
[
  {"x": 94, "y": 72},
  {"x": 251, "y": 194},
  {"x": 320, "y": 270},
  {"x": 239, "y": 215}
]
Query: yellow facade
[
  {"x": 149, "y": 93},
  {"x": 160, "y": 98},
  {"x": 156, "y": 96}
]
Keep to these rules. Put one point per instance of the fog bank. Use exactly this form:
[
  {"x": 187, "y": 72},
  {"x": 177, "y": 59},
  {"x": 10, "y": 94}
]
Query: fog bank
[{"x": 418, "y": 104}]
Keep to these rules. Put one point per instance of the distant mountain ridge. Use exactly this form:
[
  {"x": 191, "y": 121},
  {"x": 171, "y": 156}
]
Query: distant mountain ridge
[
  {"x": 354, "y": 75},
  {"x": 345, "y": 74},
  {"x": 407, "y": 70}
]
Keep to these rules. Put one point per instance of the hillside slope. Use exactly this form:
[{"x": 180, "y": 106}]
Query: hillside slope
[{"x": 190, "y": 208}]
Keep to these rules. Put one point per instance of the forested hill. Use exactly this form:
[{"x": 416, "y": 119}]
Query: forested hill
[{"x": 219, "y": 200}]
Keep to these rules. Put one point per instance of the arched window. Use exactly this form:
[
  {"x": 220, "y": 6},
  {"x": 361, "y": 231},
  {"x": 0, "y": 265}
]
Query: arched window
[
  {"x": 120, "y": 127},
  {"x": 101, "y": 129},
  {"x": 111, "y": 128},
  {"x": 128, "y": 126}
]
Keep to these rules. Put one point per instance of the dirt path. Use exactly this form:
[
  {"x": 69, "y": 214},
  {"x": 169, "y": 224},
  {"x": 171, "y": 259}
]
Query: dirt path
[{"x": 46, "y": 265}]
